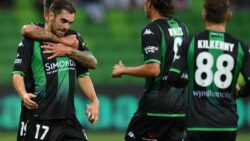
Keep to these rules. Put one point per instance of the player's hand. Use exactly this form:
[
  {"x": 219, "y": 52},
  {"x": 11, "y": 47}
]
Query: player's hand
[
  {"x": 92, "y": 112},
  {"x": 70, "y": 40},
  {"x": 237, "y": 88},
  {"x": 56, "y": 49},
  {"x": 28, "y": 101},
  {"x": 118, "y": 69}
]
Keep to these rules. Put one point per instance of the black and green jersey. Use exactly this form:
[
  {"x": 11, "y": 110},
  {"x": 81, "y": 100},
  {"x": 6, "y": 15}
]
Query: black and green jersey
[
  {"x": 53, "y": 80},
  {"x": 213, "y": 61},
  {"x": 160, "y": 42}
]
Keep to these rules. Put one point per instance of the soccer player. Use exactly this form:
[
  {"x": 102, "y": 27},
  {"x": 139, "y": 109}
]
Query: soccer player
[
  {"x": 213, "y": 59},
  {"x": 161, "y": 110},
  {"x": 50, "y": 109},
  {"x": 60, "y": 46}
]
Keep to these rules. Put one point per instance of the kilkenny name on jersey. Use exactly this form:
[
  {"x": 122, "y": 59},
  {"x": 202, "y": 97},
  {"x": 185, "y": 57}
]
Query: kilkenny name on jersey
[
  {"x": 212, "y": 44},
  {"x": 175, "y": 32}
]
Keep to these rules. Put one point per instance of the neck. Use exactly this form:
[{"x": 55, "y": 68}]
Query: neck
[
  {"x": 155, "y": 15},
  {"x": 221, "y": 27},
  {"x": 47, "y": 27}
]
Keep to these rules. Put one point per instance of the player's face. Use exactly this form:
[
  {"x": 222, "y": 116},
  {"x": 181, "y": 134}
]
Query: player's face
[{"x": 61, "y": 23}]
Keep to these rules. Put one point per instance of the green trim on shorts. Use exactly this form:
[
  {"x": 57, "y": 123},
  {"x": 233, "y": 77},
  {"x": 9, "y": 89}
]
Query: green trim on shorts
[
  {"x": 212, "y": 129},
  {"x": 165, "y": 115}
]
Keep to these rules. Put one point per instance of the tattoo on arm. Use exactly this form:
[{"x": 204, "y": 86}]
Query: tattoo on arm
[
  {"x": 40, "y": 33},
  {"x": 84, "y": 58}
]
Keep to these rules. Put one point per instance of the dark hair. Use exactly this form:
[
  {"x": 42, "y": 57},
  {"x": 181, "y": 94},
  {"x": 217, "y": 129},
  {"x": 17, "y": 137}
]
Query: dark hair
[
  {"x": 59, "y": 5},
  {"x": 216, "y": 10},
  {"x": 47, "y": 4},
  {"x": 164, "y": 7}
]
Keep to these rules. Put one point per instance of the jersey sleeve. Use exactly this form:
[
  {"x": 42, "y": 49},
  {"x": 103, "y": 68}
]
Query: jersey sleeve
[
  {"x": 82, "y": 44},
  {"x": 23, "y": 58},
  {"x": 151, "y": 44},
  {"x": 246, "y": 63},
  {"x": 245, "y": 70},
  {"x": 81, "y": 71}
]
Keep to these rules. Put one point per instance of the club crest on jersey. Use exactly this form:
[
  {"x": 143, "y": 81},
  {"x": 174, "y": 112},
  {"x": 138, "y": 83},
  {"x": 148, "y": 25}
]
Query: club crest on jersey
[{"x": 148, "y": 32}]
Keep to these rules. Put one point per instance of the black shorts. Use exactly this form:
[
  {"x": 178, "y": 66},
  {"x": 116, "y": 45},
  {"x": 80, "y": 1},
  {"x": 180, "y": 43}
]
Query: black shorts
[
  {"x": 22, "y": 125},
  {"x": 210, "y": 136},
  {"x": 52, "y": 130},
  {"x": 151, "y": 128}
]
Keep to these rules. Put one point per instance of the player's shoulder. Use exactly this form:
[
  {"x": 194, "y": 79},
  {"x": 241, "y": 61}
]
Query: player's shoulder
[
  {"x": 235, "y": 39},
  {"x": 150, "y": 29},
  {"x": 37, "y": 24},
  {"x": 73, "y": 32},
  {"x": 179, "y": 22}
]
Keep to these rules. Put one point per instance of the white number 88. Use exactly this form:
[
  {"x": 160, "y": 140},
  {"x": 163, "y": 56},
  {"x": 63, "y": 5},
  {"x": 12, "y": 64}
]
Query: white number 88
[{"x": 204, "y": 74}]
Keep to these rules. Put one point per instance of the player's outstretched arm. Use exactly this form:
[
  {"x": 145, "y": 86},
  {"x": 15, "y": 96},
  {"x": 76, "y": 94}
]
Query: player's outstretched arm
[
  {"x": 27, "y": 98},
  {"x": 36, "y": 32},
  {"x": 84, "y": 58},
  {"x": 87, "y": 87},
  {"x": 145, "y": 70}
]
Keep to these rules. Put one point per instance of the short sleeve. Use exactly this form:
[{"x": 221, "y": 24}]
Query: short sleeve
[
  {"x": 246, "y": 63},
  {"x": 82, "y": 43},
  {"x": 151, "y": 48},
  {"x": 23, "y": 57}
]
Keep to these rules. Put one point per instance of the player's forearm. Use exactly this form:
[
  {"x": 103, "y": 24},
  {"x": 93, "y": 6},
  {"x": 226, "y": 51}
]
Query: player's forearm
[
  {"x": 146, "y": 70},
  {"x": 84, "y": 58},
  {"x": 18, "y": 84},
  {"x": 87, "y": 87},
  {"x": 39, "y": 33}
]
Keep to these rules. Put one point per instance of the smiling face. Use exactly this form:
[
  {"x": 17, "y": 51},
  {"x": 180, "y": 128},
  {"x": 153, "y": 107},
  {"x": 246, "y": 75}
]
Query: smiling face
[{"x": 60, "y": 23}]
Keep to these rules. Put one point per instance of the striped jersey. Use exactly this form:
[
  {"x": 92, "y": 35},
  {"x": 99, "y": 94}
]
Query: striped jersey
[
  {"x": 52, "y": 81},
  {"x": 159, "y": 42},
  {"x": 213, "y": 61}
]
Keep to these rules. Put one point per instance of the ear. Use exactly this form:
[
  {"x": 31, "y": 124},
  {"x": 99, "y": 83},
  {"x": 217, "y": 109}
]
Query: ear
[
  {"x": 149, "y": 3},
  {"x": 46, "y": 16},
  {"x": 203, "y": 15},
  {"x": 229, "y": 15},
  {"x": 51, "y": 15}
]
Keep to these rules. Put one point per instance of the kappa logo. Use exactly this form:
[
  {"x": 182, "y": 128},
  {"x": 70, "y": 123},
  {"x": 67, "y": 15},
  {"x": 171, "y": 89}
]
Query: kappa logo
[
  {"x": 131, "y": 135},
  {"x": 20, "y": 44},
  {"x": 147, "y": 32}
]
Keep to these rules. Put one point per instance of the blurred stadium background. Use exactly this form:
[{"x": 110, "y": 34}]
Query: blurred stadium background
[{"x": 111, "y": 29}]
